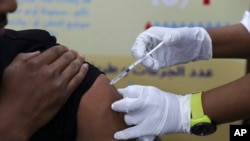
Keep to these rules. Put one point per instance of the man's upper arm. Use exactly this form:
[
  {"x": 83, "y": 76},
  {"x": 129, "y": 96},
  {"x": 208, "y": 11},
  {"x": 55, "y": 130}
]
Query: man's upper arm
[{"x": 95, "y": 119}]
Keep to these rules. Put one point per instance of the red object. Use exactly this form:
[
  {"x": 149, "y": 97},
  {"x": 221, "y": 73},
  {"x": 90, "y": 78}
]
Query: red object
[
  {"x": 148, "y": 25},
  {"x": 206, "y": 2}
]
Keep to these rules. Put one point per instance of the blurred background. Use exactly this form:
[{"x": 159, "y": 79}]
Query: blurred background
[{"x": 104, "y": 31}]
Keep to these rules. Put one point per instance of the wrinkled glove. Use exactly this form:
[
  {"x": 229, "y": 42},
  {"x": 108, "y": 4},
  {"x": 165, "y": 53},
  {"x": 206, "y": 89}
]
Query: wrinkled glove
[
  {"x": 151, "y": 112},
  {"x": 181, "y": 45}
]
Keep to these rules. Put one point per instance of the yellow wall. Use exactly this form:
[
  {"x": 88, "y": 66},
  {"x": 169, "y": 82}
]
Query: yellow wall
[{"x": 104, "y": 30}]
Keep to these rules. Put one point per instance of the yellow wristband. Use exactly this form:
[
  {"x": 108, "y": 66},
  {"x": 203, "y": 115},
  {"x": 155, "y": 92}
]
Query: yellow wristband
[
  {"x": 197, "y": 110},
  {"x": 201, "y": 124}
]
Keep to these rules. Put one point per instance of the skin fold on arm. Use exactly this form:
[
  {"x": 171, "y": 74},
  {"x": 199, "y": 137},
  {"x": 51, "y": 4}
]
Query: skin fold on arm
[{"x": 95, "y": 120}]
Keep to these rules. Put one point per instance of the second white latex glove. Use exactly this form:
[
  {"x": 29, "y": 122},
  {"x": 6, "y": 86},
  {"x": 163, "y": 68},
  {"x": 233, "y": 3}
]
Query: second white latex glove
[
  {"x": 181, "y": 45},
  {"x": 151, "y": 112}
]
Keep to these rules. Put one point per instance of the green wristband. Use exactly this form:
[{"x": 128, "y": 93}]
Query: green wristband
[
  {"x": 201, "y": 124},
  {"x": 198, "y": 115}
]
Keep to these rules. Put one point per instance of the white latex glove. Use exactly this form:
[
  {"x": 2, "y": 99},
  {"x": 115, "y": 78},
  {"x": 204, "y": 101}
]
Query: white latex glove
[
  {"x": 151, "y": 112},
  {"x": 246, "y": 20},
  {"x": 181, "y": 45}
]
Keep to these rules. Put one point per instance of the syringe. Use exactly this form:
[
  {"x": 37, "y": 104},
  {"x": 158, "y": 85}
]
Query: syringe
[{"x": 132, "y": 66}]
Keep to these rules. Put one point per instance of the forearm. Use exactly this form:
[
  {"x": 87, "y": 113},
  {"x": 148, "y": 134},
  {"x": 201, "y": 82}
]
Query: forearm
[
  {"x": 229, "y": 102},
  {"x": 230, "y": 41}
]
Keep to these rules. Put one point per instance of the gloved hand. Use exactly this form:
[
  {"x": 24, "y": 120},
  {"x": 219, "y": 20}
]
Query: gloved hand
[
  {"x": 151, "y": 112},
  {"x": 181, "y": 45}
]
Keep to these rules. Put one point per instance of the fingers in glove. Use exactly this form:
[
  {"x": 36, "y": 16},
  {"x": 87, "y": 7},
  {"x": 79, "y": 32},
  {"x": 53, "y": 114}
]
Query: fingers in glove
[
  {"x": 147, "y": 138},
  {"x": 126, "y": 105},
  {"x": 128, "y": 92},
  {"x": 141, "y": 45},
  {"x": 148, "y": 63},
  {"x": 139, "y": 49},
  {"x": 129, "y": 133},
  {"x": 134, "y": 118}
]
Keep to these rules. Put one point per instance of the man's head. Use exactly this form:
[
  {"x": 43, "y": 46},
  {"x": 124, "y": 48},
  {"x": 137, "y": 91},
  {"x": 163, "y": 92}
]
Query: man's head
[{"x": 6, "y": 6}]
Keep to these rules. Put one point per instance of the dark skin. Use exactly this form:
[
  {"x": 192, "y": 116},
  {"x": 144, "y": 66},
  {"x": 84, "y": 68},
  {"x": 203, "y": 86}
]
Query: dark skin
[
  {"x": 229, "y": 42},
  {"x": 35, "y": 85},
  {"x": 95, "y": 119},
  {"x": 223, "y": 104}
]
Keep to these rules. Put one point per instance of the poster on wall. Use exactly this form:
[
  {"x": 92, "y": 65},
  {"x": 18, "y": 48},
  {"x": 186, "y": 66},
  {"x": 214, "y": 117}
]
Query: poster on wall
[{"x": 112, "y": 26}]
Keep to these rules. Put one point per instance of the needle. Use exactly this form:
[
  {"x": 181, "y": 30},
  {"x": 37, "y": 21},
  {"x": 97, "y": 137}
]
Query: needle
[{"x": 132, "y": 66}]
